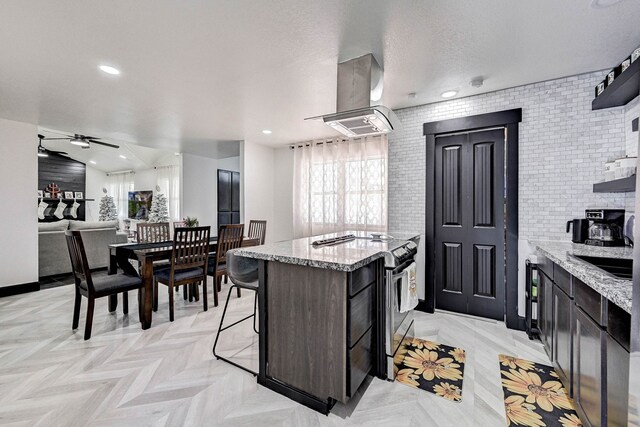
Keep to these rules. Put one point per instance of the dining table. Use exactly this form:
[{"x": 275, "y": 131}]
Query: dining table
[{"x": 121, "y": 255}]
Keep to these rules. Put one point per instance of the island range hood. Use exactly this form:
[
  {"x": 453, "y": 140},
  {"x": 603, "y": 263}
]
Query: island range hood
[{"x": 360, "y": 85}]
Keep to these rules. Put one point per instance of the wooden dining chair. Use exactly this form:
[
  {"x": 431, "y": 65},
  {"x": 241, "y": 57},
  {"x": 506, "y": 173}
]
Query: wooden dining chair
[
  {"x": 257, "y": 230},
  {"x": 188, "y": 263},
  {"x": 149, "y": 232},
  {"x": 229, "y": 237},
  {"x": 92, "y": 288}
]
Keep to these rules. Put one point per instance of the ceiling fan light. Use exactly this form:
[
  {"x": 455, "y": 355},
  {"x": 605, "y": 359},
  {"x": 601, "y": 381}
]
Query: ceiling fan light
[
  {"x": 79, "y": 142},
  {"x": 42, "y": 154}
]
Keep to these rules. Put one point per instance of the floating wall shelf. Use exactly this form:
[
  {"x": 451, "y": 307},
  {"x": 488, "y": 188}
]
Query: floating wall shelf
[
  {"x": 622, "y": 185},
  {"x": 623, "y": 89}
]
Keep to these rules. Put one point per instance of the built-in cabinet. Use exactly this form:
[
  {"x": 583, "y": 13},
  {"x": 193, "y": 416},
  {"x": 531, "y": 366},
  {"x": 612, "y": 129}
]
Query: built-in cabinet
[
  {"x": 589, "y": 372},
  {"x": 563, "y": 334},
  {"x": 228, "y": 197},
  {"x": 321, "y": 331},
  {"x": 545, "y": 307},
  {"x": 587, "y": 339}
]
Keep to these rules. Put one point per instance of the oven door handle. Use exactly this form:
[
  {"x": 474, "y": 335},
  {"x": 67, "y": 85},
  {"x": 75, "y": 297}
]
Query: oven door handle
[{"x": 399, "y": 269}]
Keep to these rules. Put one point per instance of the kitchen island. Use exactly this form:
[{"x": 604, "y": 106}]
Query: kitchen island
[{"x": 319, "y": 311}]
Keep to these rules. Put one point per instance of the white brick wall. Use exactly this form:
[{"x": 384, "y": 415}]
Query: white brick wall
[{"x": 563, "y": 148}]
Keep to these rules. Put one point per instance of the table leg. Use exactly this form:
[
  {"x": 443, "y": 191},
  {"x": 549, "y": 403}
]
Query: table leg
[
  {"x": 112, "y": 269},
  {"x": 145, "y": 297}
]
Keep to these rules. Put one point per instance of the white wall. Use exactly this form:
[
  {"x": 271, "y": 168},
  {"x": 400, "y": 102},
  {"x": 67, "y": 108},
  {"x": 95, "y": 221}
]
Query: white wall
[
  {"x": 258, "y": 180},
  {"x": 19, "y": 183},
  {"x": 282, "y": 228},
  {"x": 144, "y": 180},
  {"x": 96, "y": 181},
  {"x": 199, "y": 182},
  {"x": 230, "y": 164},
  {"x": 563, "y": 146}
]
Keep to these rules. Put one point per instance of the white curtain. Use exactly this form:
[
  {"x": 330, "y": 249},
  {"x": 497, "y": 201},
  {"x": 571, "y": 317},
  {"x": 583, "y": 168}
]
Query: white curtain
[
  {"x": 168, "y": 180},
  {"x": 340, "y": 185},
  {"x": 118, "y": 187}
]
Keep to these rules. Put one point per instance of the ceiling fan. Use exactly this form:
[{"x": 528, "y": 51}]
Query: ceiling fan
[
  {"x": 43, "y": 152},
  {"x": 83, "y": 141}
]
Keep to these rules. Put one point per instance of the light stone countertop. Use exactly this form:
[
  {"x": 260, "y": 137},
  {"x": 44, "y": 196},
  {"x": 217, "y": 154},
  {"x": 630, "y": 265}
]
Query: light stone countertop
[
  {"x": 347, "y": 256},
  {"x": 612, "y": 288}
]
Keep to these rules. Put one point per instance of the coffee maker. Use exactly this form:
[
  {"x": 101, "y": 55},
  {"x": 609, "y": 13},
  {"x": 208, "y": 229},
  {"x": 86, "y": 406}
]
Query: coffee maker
[{"x": 605, "y": 227}]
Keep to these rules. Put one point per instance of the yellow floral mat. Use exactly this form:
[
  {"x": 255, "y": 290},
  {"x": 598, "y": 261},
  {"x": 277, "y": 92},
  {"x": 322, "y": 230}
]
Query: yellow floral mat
[
  {"x": 534, "y": 395},
  {"x": 430, "y": 366}
]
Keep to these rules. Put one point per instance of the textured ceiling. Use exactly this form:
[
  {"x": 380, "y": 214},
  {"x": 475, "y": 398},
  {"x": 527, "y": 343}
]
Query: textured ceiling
[{"x": 203, "y": 71}]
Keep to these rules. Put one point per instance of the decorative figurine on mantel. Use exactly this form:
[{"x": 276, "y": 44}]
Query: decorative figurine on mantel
[{"x": 53, "y": 189}]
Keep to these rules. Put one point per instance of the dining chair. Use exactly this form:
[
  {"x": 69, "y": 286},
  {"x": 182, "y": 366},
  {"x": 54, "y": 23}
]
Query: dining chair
[
  {"x": 243, "y": 273},
  {"x": 188, "y": 263},
  {"x": 229, "y": 237},
  {"x": 99, "y": 287},
  {"x": 257, "y": 230},
  {"x": 153, "y": 232}
]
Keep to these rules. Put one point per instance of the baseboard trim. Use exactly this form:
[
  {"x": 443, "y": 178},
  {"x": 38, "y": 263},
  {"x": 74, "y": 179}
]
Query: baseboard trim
[
  {"x": 422, "y": 306},
  {"x": 522, "y": 324},
  {"x": 22, "y": 288}
]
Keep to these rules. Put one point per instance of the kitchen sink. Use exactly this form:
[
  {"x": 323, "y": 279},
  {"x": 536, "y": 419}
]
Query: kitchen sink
[{"x": 620, "y": 268}]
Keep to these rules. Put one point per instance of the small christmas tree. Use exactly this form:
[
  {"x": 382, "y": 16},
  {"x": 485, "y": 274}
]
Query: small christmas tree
[
  {"x": 159, "y": 211},
  {"x": 108, "y": 210}
]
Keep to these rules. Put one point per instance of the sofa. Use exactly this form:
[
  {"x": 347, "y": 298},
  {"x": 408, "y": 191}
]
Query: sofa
[{"x": 53, "y": 256}]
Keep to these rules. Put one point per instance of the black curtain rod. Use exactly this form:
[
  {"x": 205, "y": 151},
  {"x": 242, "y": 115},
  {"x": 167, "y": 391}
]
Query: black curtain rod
[{"x": 331, "y": 141}]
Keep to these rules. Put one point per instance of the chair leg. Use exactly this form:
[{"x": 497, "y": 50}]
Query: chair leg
[
  {"x": 184, "y": 292},
  {"x": 190, "y": 291},
  {"x": 196, "y": 291},
  {"x": 224, "y": 312},
  {"x": 226, "y": 279},
  {"x": 87, "y": 326},
  {"x": 215, "y": 292},
  {"x": 219, "y": 283},
  {"x": 155, "y": 294},
  {"x": 170, "y": 303},
  {"x": 221, "y": 328},
  {"x": 238, "y": 291},
  {"x": 76, "y": 310},
  {"x": 125, "y": 302},
  {"x": 255, "y": 309},
  {"x": 204, "y": 294}
]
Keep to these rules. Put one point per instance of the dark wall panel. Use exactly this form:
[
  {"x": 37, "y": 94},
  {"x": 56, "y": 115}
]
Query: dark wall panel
[{"x": 70, "y": 175}]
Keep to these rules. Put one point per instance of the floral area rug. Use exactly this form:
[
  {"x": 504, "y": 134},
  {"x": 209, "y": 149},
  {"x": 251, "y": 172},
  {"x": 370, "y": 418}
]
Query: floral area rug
[
  {"x": 436, "y": 368},
  {"x": 534, "y": 395}
]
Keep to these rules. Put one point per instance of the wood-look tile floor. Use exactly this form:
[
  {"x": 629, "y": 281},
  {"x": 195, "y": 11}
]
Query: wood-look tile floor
[{"x": 167, "y": 376}]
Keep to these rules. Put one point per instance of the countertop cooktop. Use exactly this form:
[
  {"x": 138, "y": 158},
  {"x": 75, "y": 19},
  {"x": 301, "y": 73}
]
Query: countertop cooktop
[
  {"x": 614, "y": 289},
  {"x": 347, "y": 256}
]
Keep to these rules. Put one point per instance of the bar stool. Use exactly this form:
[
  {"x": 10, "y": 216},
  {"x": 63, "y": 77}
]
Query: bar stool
[{"x": 243, "y": 273}]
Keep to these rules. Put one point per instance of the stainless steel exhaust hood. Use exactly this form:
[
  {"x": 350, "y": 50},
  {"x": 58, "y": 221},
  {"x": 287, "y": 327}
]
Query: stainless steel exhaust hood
[{"x": 360, "y": 87}]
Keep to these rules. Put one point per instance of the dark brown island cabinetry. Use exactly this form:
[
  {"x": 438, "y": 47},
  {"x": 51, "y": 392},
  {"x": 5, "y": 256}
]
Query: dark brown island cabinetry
[
  {"x": 319, "y": 340},
  {"x": 587, "y": 339}
]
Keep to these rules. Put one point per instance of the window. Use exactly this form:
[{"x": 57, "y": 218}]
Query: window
[{"x": 340, "y": 185}]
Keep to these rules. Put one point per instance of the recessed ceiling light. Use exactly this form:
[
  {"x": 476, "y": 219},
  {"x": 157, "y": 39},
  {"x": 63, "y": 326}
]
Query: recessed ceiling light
[
  {"x": 601, "y": 4},
  {"x": 266, "y": 131},
  {"x": 122, "y": 156},
  {"x": 449, "y": 94},
  {"x": 109, "y": 69},
  {"x": 92, "y": 162}
]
